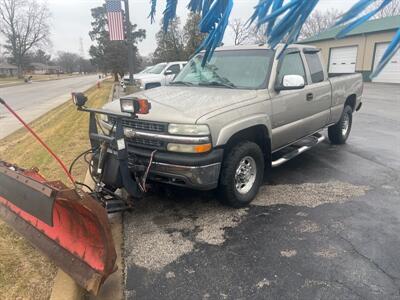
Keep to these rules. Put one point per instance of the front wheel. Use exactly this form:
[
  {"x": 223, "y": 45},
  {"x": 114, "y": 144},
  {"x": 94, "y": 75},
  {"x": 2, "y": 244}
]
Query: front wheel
[
  {"x": 241, "y": 175},
  {"x": 339, "y": 132}
]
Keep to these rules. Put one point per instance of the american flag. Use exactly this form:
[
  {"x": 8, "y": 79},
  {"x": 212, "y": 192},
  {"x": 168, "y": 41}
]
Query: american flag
[{"x": 115, "y": 20}]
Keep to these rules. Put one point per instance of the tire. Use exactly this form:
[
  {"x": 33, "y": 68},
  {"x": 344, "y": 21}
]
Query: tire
[
  {"x": 232, "y": 189},
  {"x": 339, "y": 133}
]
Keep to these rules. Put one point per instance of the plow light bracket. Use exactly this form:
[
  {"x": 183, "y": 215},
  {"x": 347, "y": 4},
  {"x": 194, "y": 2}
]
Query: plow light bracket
[
  {"x": 79, "y": 99},
  {"x": 134, "y": 105}
]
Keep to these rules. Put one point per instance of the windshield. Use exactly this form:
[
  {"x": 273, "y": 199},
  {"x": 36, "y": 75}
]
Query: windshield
[
  {"x": 157, "y": 69},
  {"x": 147, "y": 70},
  {"x": 245, "y": 69}
]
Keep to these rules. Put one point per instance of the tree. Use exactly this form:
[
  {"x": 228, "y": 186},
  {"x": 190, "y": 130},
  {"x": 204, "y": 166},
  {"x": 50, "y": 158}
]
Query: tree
[
  {"x": 111, "y": 56},
  {"x": 241, "y": 33},
  {"x": 259, "y": 35},
  {"x": 24, "y": 24},
  {"x": 192, "y": 37},
  {"x": 392, "y": 9},
  {"x": 68, "y": 61},
  {"x": 170, "y": 45},
  {"x": 319, "y": 21},
  {"x": 42, "y": 57}
]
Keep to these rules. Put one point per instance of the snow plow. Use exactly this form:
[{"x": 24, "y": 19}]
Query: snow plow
[{"x": 70, "y": 225}]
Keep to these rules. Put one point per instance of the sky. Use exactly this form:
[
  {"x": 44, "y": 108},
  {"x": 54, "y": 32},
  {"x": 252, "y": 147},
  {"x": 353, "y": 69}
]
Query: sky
[{"x": 70, "y": 21}]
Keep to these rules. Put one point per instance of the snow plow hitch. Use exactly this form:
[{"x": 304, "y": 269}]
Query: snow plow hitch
[{"x": 70, "y": 227}]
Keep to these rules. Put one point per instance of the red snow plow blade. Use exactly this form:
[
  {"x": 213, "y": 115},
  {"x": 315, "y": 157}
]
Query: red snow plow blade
[{"x": 70, "y": 227}]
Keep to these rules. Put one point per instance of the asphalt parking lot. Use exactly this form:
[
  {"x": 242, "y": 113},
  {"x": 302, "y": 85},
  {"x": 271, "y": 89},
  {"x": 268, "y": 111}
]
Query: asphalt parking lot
[{"x": 324, "y": 226}]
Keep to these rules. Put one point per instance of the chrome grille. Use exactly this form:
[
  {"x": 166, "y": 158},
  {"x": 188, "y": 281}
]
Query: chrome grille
[
  {"x": 142, "y": 125},
  {"x": 146, "y": 143}
]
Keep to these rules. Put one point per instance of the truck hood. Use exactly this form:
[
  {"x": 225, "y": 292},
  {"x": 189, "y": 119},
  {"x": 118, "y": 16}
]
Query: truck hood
[{"x": 186, "y": 104}]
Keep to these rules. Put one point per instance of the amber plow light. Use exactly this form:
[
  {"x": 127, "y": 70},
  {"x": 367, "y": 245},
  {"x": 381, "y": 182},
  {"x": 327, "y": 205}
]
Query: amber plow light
[{"x": 134, "y": 105}]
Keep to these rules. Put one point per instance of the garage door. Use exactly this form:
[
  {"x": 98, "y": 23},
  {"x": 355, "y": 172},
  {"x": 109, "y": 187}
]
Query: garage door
[
  {"x": 391, "y": 72},
  {"x": 343, "y": 60}
]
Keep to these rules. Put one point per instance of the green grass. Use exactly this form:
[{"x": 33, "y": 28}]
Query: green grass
[{"x": 24, "y": 272}]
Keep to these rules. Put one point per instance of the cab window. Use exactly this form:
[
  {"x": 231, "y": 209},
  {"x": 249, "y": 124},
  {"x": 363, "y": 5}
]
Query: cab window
[
  {"x": 316, "y": 70},
  {"x": 292, "y": 64}
]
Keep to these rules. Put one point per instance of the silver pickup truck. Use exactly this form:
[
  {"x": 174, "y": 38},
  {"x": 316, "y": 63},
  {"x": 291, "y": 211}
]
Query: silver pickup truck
[{"x": 222, "y": 125}]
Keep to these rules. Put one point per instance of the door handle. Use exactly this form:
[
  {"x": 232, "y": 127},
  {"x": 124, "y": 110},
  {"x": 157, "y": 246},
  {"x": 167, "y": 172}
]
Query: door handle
[{"x": 310, "y": 96}]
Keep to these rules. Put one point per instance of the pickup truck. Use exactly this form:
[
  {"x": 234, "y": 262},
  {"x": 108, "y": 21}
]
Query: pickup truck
[
  {"x": 159, "y": 75},
  {"x": 222, "y": 126}
]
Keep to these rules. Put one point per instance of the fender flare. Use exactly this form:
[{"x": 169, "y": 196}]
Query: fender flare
[{"x": 232, "y": 128}]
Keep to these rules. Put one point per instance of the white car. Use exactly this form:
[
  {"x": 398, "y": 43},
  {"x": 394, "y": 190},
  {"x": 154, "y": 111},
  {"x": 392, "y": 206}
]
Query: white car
[
  {"x": 125, "y": 80},
  {"x": 159, "y": 75}
]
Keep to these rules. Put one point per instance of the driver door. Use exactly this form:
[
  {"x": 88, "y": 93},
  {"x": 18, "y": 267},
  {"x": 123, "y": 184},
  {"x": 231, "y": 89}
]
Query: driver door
[{"x": 289, "y": 108}]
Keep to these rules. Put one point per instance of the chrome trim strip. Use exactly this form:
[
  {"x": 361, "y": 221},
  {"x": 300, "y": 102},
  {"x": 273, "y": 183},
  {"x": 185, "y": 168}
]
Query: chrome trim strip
[
  {"x": 185, "y": 167},
  {"x": 166, "y": 138},
  {"x": 131, "y": 133}
]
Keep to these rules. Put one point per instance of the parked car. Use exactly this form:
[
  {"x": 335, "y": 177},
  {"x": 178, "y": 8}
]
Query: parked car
[
  {"x": 161, "y": 74},
  {"x": 125, "y": 79},
  {"x": 221, "y": 126}
]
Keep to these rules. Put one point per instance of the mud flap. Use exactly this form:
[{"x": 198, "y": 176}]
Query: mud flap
[{"x": 70, "y": 227}]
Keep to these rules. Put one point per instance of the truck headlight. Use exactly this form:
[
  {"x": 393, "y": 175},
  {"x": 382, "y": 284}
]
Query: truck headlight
[
  {"x": 187, "y": 129},
  {"x": 189, "y": 148}
]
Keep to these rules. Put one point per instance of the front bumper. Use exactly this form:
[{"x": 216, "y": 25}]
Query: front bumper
[
  {"x": 195, "y": 171},
  {"x": 200, "y": 178}
]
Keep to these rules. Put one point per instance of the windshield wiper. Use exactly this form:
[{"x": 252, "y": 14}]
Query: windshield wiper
[
  {"x": 218, "y": 83},
  {"x": 181, "y": 82}
]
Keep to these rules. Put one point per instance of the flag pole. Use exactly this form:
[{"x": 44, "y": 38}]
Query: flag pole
[{"x": 130, "y": 42}]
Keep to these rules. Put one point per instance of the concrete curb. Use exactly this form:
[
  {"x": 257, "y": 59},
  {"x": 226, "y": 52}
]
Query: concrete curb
[{"x": 65, "y": 288}]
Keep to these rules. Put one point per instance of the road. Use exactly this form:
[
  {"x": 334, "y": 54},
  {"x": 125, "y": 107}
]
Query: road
[
  {"x": 33, "y": 100},
  {"x": 324, "y": 226}
]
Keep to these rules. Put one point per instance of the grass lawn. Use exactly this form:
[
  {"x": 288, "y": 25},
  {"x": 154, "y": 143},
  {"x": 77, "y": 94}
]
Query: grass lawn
[{"x": 24, "y": 272}]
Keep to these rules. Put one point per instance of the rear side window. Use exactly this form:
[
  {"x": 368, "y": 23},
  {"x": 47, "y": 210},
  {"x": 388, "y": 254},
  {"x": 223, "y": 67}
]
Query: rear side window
[
  {"x": 316, "y": 70},
  {"x": 292, "y": 64}
]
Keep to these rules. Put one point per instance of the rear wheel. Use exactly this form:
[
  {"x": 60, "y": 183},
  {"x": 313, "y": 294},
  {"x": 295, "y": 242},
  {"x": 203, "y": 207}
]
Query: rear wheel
[
  {"x": 339, "y": 133},
  {"x": 241, "y": 175}
]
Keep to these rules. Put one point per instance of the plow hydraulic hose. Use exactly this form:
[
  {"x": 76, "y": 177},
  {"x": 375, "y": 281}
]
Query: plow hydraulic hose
[{"x": 59, "y": 161}]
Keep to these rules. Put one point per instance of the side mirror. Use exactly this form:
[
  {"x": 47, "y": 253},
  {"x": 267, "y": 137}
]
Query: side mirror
[
  {"x": 291, "y": 82},
  {"x": 168, "y": 72}
]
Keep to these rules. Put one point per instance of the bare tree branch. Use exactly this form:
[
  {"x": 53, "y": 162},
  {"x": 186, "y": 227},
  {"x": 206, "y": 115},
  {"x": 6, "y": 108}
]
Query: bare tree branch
[
  {"x": 392, "y": 9},
  {"x": 240, "y": 32},
  {"x": 318, "y": 22},
  {"x": 24, "y": 24}
]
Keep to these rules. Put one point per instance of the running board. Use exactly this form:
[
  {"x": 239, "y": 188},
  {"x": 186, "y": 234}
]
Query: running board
[{"x": 318, "y": 138}]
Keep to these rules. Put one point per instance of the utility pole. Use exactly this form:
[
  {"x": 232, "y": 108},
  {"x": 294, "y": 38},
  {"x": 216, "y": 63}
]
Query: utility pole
[{"x": 129, "y": 39}]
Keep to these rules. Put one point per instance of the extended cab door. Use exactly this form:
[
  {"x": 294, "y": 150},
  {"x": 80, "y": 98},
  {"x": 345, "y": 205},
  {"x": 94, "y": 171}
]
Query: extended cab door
[
  {"x": 319, "y": 91},
  {"x": 290, "y": 108}
]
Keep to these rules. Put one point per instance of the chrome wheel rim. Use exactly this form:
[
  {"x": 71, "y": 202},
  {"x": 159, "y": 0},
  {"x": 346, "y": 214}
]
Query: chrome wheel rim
[
  {"x": 245, "y": 176},
  {"x": 345, "y": 124}
]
